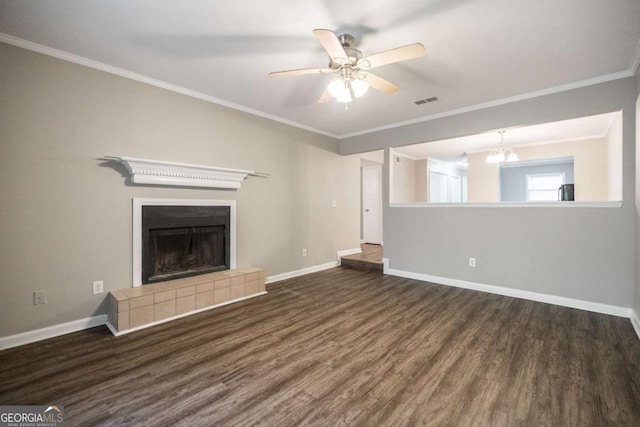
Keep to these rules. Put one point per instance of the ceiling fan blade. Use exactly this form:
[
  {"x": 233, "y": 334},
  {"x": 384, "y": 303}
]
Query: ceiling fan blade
[
  {"x": 398, "y": 54},
  {"x": 332, "y": 45},
  {"x": 326, "y": 97},
  {"x": 378, "y": 83},
  {"x": 300, "y": 72}
]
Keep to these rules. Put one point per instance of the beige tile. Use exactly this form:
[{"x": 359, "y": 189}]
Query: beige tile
[
  {"x": 183, "y": 292},
  {"x": 224, "y": 273},
  {"x": 164, "y": 296},
  {"x": 246, "y": 270},
  {"x": 263, "y": 275},
  {"x": 234, "y": 273},
  {"x": 252, "y": 287},
  {"x": 204, "y": 299},
  {"x": 119, "y": 296},
  {"x": 237, "y": 291},
  {"x": 222, "y": 295},
  {"x": 183, "y": 283},
  {"x": 123, "y": 321},
  {"x": 186, "y": 304},
  {"x": 123, "y": 305},
  {"x": 252, "y": 276},
  {"x": 223, "y": 283},
  {"x": 204, "y": 287},
  {"x": 217, "y": 275},
  {"x": 141, "y": 316},
  {"x": 140, "y": 301},
  {"x": 197, "y": 280},
  {"x": 238, "y": 280},
  {"x": 162, "y": 286},
  {"x": 261, "y": 285},
  {"x": 165, "y": 309}
]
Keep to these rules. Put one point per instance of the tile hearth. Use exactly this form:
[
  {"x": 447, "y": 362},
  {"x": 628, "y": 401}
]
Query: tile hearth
[{"x": 138, "y": 307}]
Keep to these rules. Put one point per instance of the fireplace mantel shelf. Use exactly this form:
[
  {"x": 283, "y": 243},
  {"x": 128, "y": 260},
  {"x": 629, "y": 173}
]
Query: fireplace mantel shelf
[{"x": 157, "y": 172}]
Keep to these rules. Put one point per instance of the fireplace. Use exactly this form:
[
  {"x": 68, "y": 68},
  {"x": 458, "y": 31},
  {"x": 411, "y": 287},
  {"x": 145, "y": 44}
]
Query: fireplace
[
  {"x": 176, "y": 238},
  {"x": 183, "y": 241}
]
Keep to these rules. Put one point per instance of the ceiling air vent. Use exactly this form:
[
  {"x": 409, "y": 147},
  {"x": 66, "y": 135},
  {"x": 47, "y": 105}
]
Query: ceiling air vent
[{"x": 426, "y": 100}]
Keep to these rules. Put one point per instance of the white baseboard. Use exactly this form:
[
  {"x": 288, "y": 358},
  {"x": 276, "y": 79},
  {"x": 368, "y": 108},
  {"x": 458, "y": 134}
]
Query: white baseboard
[
  {"x": 596, "y": 307},
  {"x": 292, "y": 274},
  {"x": 348, "y": 252},
  {"x": 52, "y": 331},
  {"x": 179, "y": 316},
  {"x": 635, "y": 322}
]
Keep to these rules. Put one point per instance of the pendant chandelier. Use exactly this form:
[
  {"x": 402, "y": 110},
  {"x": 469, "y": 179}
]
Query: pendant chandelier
[{"x": 502, "y": 154}]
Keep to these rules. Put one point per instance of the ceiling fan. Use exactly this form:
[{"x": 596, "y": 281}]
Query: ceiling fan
[{"x": 351, "y": 69}]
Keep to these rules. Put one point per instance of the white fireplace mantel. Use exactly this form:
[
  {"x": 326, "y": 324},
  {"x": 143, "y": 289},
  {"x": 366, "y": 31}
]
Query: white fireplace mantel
[{"x": 157, "y": 172}]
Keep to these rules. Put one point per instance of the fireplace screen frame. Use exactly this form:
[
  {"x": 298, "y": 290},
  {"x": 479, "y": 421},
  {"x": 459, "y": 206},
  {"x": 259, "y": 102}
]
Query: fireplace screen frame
[
  {"x": 156, "y": 219},
  {"x": 137, "y": 205}
]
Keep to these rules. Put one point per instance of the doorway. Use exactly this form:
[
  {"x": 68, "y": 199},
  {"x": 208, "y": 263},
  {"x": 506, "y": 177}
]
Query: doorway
[{"x": 372, "y": 204}]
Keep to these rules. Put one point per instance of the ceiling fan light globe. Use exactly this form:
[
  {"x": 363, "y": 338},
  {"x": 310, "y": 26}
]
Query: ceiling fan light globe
[
  {"x": 359, "y": 87},
  {"x": 344, "y": 97},
  {"x": 336, "y": 87}
]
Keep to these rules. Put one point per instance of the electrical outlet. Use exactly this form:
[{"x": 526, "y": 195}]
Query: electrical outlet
[
  {"x": 304, "y": 252},
  {"x": 39, "y": 297},
  {"x": 334, "y": 203},
  {"x": 98, "y": 287},
  {"x": 472, "y": 262}
]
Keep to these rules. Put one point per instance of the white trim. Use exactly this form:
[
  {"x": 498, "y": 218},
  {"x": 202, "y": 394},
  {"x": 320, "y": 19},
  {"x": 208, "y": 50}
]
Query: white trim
[
  {"x": 178, "y": 316},
  {"x": 302, "y": 272},
  {"x": 497, "y": 102},
  {"x": 595, "y": 307},
  {"x": 158, "y": 172},
  {"x": 77, "y": 59},
  {"x": 612, "y": 204},
  {"x": 347, "y": 252},
  {"x": 138, "y": 203},
  {"x": 52, "y": 331},
  {"x": 635, "y": 322}
]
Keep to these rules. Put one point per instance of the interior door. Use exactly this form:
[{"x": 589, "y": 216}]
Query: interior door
[
  {"x": 455, "y": 189},
  {"x": 438, "y": 187},
  {"x": 372, "y": 204}
]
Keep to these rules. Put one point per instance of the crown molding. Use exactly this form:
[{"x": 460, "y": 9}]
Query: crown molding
[
  {"x": 81, "y": 60},
  {"x": 497, "y": 102},
  {"x": 66, "y": 56}
]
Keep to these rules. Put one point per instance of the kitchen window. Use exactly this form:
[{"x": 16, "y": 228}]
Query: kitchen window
[{"x": 544, "y": 187}]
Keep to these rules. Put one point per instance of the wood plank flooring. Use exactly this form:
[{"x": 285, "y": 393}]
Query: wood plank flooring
[
  {"x": 369, "y": 259},
  {"x": 344, "y": 347}
]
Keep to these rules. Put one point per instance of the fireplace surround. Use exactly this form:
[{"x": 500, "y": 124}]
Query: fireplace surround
[{"x": 175, "y": 238}]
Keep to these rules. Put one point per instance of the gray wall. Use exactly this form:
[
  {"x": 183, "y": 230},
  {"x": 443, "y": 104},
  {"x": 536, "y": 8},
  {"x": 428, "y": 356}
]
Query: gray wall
[
  {"x": 66, "y": 216},
  {"x": 513, "y": 180},
  {"x": 582, "y": 253}
]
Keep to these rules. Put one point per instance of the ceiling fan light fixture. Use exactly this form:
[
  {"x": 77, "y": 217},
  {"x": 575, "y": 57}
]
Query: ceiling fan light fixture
[
  {"x": 345, "y": 96},
  {"x": 336, "y": 87},
  {"x": 359, "y": 87}
]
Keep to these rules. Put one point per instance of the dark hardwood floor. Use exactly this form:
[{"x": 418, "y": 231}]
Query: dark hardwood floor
[
  {"x": 370, "y": 259},
  {"x": 344, "y": 347}
]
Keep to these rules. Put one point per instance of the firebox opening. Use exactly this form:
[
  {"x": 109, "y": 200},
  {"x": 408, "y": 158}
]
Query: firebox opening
[{"x": 183, "y": 241}]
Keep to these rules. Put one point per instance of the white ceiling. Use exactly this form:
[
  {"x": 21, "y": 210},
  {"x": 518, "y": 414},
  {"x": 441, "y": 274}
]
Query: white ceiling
[
  {"x": 454, "y": 149},
  {"x": 477, "y": 52}
]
